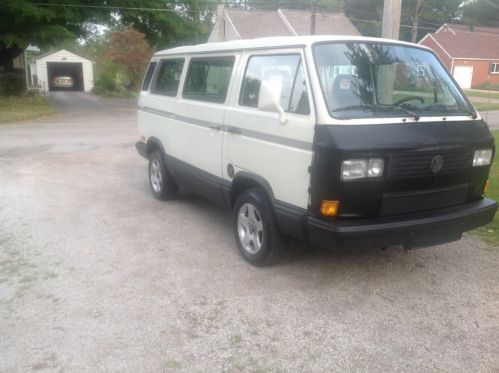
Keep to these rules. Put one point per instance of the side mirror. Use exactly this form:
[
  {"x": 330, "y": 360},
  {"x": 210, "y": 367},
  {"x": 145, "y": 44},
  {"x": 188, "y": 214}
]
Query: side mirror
[{"x": 270, "y": 99}]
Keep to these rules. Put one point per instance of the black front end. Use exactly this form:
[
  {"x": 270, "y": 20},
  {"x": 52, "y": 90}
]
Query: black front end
[{"x": 429, "y": 191}]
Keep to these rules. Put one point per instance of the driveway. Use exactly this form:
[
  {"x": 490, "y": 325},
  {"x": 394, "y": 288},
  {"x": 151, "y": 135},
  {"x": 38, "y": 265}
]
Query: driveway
[
  {"x": 492, "y": 118},
  {"x": 96, "y": 275}
]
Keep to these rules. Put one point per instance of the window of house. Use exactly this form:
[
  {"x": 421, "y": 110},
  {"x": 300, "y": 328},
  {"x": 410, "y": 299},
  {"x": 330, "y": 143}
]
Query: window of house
[
  {"x": 208, "y": 79},
  {"x": 168, "y": 77},
  {"x": 288, "y": 71},
  {"x": 494, "y": 68}
]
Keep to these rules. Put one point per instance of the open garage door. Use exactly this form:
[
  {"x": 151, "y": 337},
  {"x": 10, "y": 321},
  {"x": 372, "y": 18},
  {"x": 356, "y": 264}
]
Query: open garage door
[{"x": 65, "y": 76}]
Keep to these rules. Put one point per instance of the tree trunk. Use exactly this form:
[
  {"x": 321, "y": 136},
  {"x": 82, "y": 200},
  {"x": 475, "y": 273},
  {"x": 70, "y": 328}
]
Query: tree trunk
[{"x": 415, "y": 20}]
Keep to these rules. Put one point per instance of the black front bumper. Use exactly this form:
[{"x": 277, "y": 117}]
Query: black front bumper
[
  {"x": 416, "y": 230},
  {"x": 142, "y": 149}
]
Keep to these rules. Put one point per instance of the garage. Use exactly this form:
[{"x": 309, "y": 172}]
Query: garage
[
  {"x": 64, "y": 71},
  {"x": 463, "y": 75}
]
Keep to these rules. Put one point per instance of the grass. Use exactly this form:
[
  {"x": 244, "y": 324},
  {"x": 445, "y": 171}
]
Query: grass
[
  {"x": 481, "y": 94},
  {"x": 484, "y": 106},
  {"x": 15, "y": 109},
  {"x": 490, "y": 232}
]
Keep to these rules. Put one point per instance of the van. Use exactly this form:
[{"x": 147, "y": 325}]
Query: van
[{"x": 337, "y": 141}]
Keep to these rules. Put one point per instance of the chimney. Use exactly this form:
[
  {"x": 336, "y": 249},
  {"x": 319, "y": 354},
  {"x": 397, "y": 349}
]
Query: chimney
[{"x": 220, "y": 23}]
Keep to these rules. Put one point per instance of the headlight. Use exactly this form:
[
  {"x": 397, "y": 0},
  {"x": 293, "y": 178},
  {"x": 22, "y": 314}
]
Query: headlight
[
  {"x": 482, "y": 157},
  {"x": 352, "y": 169}
]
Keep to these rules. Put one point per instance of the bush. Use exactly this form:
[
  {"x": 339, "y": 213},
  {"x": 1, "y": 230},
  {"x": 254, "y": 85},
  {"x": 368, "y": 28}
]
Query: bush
[
  {"x": 11, "y": 84},
  {"x": 105, "y": 82},
  {"x": 489, "y": 86}
]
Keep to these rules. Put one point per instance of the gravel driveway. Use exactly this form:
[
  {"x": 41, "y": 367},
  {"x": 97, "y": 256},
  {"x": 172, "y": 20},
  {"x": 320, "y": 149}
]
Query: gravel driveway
[{"x": 96, "y": 275}]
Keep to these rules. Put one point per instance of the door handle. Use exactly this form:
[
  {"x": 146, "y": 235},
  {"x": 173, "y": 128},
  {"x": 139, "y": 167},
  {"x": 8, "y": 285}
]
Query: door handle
[
  {"x": 214, "y": 127},
  {"x": 234, "y": 130}
]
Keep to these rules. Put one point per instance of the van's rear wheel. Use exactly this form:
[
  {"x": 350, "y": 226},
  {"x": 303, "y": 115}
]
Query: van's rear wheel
[
  {"x": 162, "y": 187},
  {"x": 255, "y": 229}
]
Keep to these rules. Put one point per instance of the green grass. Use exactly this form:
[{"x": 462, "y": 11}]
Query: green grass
[
  {"x": 484, "y": 106},
  {"x": 15, "y": 109},
  {"x": 490, "y": 232},
  {"x": 492, "y": 95}
]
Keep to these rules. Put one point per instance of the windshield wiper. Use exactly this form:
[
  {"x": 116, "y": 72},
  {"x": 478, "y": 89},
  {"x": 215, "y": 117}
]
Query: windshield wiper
[{"x": 376, "y": 107}]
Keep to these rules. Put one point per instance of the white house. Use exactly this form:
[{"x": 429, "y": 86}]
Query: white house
[{"x": 64, "y": 63}]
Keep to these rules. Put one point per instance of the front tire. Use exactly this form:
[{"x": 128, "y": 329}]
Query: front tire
[
  {"x": 255, "y": 229},
  {"x": 162, "y": 187}
]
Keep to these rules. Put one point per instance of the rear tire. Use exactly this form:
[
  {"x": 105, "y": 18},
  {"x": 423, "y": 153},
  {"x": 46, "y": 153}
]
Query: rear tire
[
  {"x": 162, "y": 186},
  {"x": 255, "y": 229}
]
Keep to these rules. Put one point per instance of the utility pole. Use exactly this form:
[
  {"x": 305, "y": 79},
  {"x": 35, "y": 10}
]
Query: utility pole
[
  {"x": 391, "y": 19},
  {"x": 313, "y": 16}
]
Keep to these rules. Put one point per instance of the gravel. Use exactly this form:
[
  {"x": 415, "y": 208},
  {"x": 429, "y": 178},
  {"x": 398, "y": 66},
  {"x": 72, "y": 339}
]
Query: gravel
[{"x": 96, "y": 275}]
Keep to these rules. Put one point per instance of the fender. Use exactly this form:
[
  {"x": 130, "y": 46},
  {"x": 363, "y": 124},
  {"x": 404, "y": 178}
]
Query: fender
[{"x": 290, "y": 219}]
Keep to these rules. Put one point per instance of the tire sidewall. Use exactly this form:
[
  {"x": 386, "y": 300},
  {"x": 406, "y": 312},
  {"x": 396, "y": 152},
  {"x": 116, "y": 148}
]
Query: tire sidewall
[
  {"x": 263, "y": 207},
  {"x": 164, "y": 175}
]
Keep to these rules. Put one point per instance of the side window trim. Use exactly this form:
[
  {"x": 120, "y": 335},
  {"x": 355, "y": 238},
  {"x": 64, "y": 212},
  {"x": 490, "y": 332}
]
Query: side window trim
[
  {"x": 301, "y": 63},
  {"x": 159, "y": 65},
  {"x": 187, "y": 70}
]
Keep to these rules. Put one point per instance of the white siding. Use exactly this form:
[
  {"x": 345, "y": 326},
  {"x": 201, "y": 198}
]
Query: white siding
[{"x": 64, "y": 56}]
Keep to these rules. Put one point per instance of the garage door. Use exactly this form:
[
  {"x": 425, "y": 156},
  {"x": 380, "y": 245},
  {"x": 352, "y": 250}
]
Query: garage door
[
  {"x": 463, "y": 75},
  {"x": 65, "y": 76}
]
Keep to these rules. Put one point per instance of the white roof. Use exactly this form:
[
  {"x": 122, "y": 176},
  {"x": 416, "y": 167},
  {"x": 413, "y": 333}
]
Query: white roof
[{"x": 274, "y": 42}]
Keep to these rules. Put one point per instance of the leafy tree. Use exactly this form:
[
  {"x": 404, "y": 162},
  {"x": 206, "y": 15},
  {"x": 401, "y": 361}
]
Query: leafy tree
[
  {"x": 424, "y": 16},
  {"x": 130, "y": 49},
  {"x": 23, "y": 22},
  {"x": 481, "y": 13}
]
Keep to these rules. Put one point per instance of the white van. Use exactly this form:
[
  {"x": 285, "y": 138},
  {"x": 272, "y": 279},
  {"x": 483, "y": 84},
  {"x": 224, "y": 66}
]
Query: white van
[{"x": 338, "y": 141}]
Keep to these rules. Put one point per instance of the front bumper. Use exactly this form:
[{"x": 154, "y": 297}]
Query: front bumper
[
  {"x": 416, "y": 230},
  {"x": 142, "y": 149}
]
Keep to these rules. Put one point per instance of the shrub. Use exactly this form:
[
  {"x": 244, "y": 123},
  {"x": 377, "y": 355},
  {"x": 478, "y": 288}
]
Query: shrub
[
  {"x": 105, "y": 82},
  {"x": 489, "y": 86},
  {"x": 11, "y": 84}
]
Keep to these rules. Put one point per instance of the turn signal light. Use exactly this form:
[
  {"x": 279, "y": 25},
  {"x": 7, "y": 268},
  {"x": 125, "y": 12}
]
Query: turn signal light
[
  {"x": 329, "y": 208},
  {"x": 486, "y": 187}
]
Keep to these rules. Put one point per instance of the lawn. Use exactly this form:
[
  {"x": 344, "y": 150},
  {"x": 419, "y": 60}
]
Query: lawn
[
  {"x": 491, "y": 232},
  {"x": 484, "y": 106},
  {"x": 14, "y": 109},
  {"x": 482, "y": 94}
]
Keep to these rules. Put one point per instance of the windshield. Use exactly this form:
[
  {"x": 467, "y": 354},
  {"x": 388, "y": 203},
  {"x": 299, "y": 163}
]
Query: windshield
[{"x": 369, "y": 80}]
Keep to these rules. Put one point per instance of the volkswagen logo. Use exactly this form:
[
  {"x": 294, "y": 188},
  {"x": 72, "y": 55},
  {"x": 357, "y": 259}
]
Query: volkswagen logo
[{"x": 437, "y": 163}]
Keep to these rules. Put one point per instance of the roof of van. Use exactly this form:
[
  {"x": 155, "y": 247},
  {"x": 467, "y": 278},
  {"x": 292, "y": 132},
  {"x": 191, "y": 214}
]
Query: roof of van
[{"x": 272, "y": 42}]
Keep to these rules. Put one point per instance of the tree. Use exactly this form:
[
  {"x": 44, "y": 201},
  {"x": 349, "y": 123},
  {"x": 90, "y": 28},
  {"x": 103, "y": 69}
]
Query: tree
[
  {"x": 130, "y": 49},
  {"x": 23, "y": 22},
  {"x": 481, "y": 13}
]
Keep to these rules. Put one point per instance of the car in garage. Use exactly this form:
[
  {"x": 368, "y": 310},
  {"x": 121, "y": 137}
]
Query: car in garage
[{"x": 63, "y": 82}]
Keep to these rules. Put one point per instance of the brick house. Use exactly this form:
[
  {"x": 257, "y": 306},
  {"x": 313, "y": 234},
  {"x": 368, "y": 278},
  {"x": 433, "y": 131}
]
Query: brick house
[
  {"x": 470, "y": 53},
  {"x": 234, "y": 24}
]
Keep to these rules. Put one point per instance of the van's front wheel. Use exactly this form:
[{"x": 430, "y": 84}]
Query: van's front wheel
[
  {"x": 255, "y": 229},
  {"x": 162, "y": 187}
]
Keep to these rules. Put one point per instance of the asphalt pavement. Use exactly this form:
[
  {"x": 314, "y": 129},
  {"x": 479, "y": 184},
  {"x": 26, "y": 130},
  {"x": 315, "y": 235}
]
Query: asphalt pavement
[{"x": 97, "y": 275}]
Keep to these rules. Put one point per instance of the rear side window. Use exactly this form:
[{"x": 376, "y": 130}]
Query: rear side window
[
  {"x": 148, "y": 77},
  {"x": 208, "y": 79},
  {"x": 168, "y": 77},
  {"x": 288, "y": 71}
]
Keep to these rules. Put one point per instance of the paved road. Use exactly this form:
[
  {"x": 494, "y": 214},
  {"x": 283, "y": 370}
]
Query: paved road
[
  {"x": 96, "y": 275},
  {"x": 492, "y": 118}
]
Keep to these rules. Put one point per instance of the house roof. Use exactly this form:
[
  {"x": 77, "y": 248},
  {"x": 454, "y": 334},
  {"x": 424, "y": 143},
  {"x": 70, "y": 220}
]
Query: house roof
[
  {"x": 271, "y": 42},
  {"x": 461, "y": 41},
  {"x": 325, "y": 23},
  {"x": 250, "y": 24},
  {"x": 257, "y": 24}
]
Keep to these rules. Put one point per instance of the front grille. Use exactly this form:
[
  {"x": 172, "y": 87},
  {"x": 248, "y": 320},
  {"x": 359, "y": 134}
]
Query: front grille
[
  {"x": 407, "y": 202},
  {"x": 417, "y": 163},
  {"x": 148, "y": 77}
]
